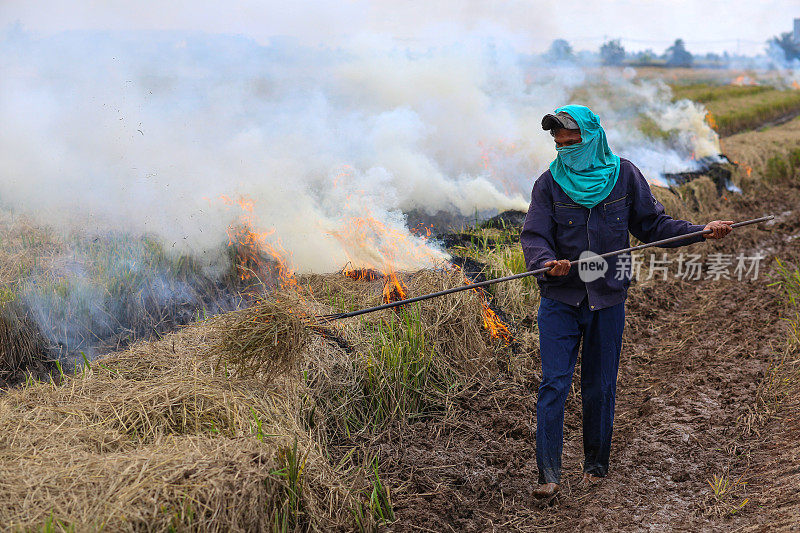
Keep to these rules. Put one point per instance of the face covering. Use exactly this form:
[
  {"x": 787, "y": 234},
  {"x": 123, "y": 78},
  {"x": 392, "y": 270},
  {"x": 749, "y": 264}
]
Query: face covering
[{"x": 586, "y": 171}]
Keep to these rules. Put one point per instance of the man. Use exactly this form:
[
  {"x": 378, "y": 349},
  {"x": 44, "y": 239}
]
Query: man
[{"x": 588, "y": 201}]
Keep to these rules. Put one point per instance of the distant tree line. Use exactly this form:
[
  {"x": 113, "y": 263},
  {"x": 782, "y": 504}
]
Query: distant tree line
[{"x": 612, "y": 53}]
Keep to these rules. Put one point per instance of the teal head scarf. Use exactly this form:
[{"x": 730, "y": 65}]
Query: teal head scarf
[{"x": 587, "y": 171}]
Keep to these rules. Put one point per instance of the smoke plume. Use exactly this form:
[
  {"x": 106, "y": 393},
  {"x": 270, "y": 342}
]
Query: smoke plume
[{"x": 148, "y": 132}]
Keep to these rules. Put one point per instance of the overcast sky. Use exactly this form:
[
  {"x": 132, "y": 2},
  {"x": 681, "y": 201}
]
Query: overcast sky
[{"x": 706, "y": 25}]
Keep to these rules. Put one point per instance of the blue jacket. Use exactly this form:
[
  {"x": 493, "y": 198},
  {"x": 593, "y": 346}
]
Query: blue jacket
[{"x": 558, "y": 228}]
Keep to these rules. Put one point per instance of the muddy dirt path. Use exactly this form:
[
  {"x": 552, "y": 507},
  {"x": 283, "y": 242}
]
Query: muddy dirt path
[{"x": 694, "y": 355}]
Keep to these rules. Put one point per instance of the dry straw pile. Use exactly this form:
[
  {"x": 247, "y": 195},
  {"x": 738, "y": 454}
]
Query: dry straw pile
[
  {"x": 401, "y": 364},
  {"x": 159, "y": 437},
  {"x": 263, "y": 340},
  {"x": 22, "y": 346}
]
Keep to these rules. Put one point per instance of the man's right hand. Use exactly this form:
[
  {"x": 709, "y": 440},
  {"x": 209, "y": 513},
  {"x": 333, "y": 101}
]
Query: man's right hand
[{"x": 558, "y": 268}]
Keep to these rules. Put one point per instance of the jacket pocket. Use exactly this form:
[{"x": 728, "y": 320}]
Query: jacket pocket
[
  {"x": 615, "y": 212},
  {"x": 569, "y": 215},
  {"x": 570, "y": 230}
]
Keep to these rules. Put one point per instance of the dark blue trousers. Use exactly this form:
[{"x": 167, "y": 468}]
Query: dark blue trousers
[{"x": 561, "y": 328}]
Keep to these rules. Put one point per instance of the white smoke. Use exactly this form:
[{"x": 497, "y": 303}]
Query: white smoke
[
  {"x": 145, "y": 132},
  {"x": 784, "y": 71}
]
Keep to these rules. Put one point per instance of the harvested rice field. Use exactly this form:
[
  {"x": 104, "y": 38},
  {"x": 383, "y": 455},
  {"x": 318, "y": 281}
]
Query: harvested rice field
[{"x": 156, "y": 378}]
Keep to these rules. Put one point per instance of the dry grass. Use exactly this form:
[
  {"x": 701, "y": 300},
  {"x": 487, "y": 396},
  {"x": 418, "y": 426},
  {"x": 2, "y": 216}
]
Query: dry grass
[
  {"x": 227, "y": 424},
  {"x": 726, "y": 496},
  {"x": 708, "y": 92},
  {"x": 22, "y": 345},
  {"x": 753, "y": 152},
  {"x": 698, "y": 196},
  {"x": 453, "y": 323},
  {"x": 94, "y": 294},
  {"x": 520, "y": 297},
  {"x": 673, "y": 202},
  {"x": 678, "y": 77},
  {"x": 403, "y": 364},
  {"x": 23, "y": 246},
  {"x": 263, "y": 340},
  {"x": 158, "y": 437},
  {"x": 734, "y": 108},
  {"x": 781, "y": 384}
]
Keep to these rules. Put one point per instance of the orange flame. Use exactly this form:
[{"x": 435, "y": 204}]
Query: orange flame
[
  {"x": 362, "y": 274},
  {"x": 743, "y": 80},
  {"x": 712, "y": 122},
  {"x": 421, "y": 230},
  {"x": 248, "y": 256},
  {"x": 256, "y": 252},
  {"x": 795, "y": 85},
  {"x": 370, "y": 243},
  {"x": 492, "y": 323},
  {"x": 394, "y": 290},
  {"x": 383, "y": 250}
]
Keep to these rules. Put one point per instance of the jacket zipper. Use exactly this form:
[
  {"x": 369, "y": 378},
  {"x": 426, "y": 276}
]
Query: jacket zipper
[{"x": 589, "y": 242}]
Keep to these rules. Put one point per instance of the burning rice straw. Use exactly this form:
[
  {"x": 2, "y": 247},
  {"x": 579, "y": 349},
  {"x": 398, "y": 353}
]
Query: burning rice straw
[
  {"x": 362, "y": 274},
  {"x": 394, "y": 289},
  {"x": 455, "y": 325},
  {"x": 401, "y": 365}
]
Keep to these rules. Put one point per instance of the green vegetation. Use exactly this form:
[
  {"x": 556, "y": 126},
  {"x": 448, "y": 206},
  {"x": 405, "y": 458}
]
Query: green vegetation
[
  {"x": 724, "y": 499},
  {"x": 777, "y": 168},
  {"x": 794, "y": 160},
  {"x": 743, "y": 114},
  {"x": 380, "y": 502},
  {"x": 651, "y": 129},
  {"x": 788, "y": 280},
  {"x": 707, "y": 92},
  {"x": 398, "y": 378},
  {"x": 783, "y": 166},
  {"x": 289, "y": 515},
  {"x": 782, "y": 382},
  {"x": 108, "y": 291},
  {"x": 735, "y": 108},
  {"x": 54, "y": 525}
]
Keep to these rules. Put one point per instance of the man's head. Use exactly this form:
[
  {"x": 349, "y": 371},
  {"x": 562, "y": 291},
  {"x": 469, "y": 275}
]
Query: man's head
[
  {"x": 563, "y": 128},
  {"x": 585, "y": 166}
]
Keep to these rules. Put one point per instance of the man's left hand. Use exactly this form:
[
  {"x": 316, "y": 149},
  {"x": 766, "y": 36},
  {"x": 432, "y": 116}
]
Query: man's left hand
[{"x": 719, "y": 228}]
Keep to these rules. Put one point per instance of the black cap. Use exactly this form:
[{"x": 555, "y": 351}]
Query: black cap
[{"x": 559, "y": 120}]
